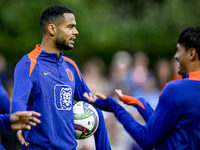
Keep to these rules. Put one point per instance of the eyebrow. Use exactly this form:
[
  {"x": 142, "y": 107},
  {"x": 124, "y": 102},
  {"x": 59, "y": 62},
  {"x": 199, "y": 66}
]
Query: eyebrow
[{"x": 71, "y": 25}]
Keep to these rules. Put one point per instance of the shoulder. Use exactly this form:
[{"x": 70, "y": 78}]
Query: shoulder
[
  {"x": 173, "y": 85},
  {"x": 70, "y": 61},
  {"x": 67, "y": 59},
  {"x": 23, "y": 67},
  {"x": 24, "y": 62},
  {"x": 174, "y": 89},
  {"x": 178, "y": 94}
]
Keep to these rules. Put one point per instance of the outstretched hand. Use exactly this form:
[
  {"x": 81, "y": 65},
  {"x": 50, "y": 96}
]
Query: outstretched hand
[
  {"x": 102, "y": 101},
  {"x": 92, "y": 98},
  {"x": 119, "y": 93},
  {"x": 24, "y": 120}
]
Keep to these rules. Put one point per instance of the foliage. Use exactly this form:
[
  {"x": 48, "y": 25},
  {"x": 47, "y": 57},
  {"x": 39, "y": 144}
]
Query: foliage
[{"x": 105, "y": 27}]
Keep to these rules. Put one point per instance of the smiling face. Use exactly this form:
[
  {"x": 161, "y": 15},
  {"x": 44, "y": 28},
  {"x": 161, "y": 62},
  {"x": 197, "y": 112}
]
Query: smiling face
[
  {"x": 181, "y": 57},
  {"x": 66, "y": 32}
]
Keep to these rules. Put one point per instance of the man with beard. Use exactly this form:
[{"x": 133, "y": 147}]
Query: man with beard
[
  {"x": 48, "y": 82},
  {"x": 175, "y": 123}
]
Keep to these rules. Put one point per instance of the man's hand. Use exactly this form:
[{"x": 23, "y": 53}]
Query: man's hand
[
  {"x": 119, "y": 94},
  {"x": 92, "y": 98},
  {"x": 20, "y": 138},
  {"x": 101, "y": 101},
  {"x": 24, "y": 120}
]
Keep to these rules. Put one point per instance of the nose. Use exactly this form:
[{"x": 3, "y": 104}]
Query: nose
[
  {"x": 175, "y": 55},
  {"x": 76, "y": 32}
]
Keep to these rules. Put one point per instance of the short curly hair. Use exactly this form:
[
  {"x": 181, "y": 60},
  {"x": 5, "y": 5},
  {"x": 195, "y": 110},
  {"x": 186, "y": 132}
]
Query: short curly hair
[
  {"x": 190, "y": 37},
  {"x": 53, "y": 14}
]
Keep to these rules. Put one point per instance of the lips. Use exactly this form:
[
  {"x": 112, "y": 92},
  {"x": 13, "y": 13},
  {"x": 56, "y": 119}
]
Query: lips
[
  {"x": 178, "y": 64},
  {"x": 71, "y": 39}
]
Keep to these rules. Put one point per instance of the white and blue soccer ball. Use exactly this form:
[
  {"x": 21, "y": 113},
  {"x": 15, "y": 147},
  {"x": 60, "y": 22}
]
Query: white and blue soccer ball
[{"x": 86, "y": 119}]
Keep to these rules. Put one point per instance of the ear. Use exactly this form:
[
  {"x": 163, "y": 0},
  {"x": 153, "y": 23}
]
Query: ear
[
  {"x": 52, "y": 29},
  {"x": 192, "y": 53}
]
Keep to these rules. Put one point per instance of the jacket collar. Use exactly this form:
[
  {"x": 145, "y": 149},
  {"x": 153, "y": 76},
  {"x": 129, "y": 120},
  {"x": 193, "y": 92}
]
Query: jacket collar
[
  {"x": 52, "y": 57},
  {"x": 195, "y": 75}
]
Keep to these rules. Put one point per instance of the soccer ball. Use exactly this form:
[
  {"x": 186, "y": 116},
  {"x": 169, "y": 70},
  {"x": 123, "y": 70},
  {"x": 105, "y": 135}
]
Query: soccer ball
[{"x": 86, "y": 119}]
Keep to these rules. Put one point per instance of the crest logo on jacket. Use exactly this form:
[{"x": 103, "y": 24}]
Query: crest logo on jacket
[
  {"x": 70, "y": 75},
  {"x": 63, "y": 97}
]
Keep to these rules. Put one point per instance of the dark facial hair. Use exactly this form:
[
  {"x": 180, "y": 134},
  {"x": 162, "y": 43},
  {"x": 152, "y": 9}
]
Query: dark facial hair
[{"x": 61, "y": 44}]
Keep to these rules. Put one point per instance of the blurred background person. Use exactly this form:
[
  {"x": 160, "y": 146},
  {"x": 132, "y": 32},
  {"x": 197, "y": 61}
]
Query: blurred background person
[
  {"x": 4, "y": 98},
  {"x": 7, "y": 138},
  {"x": 139, "y": 73},
  {"x": 93, "y": 71},
  {"x": 117, "y": 74},
  {"x": 163, "y": 72},
  {"x": 118, "y": 71},
  {"x": 141, "y": 80}
]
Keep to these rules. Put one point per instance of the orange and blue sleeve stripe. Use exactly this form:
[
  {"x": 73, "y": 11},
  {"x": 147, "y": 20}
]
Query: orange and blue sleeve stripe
[
  {"x": 132, "y": 100},
  {"x": 33, "y": 58},
  {"x": 140, "y": 104}
]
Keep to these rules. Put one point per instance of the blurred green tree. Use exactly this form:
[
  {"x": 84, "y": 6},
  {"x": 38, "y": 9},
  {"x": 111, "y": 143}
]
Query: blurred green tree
[{"x": 104, "y": 26}]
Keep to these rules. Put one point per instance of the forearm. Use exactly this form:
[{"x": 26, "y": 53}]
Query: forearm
[
  {"x": 142, "y": 106},
  {"x": 112, "y": 106},
  {"x": 135, "y": 129}
]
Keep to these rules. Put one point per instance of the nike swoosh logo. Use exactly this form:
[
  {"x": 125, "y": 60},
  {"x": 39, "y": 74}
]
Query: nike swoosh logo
[{"x": 46, "y": 73}]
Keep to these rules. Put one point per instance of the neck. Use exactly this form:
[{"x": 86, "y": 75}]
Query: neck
[
  {"x": 195, "y": 66},
  {"x": 50, "y": 47}
]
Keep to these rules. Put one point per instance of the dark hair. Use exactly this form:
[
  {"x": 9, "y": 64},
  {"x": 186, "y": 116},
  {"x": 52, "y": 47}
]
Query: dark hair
[
  {"x": 53, "y": 14},
  {"x": 190, "y": 37}
]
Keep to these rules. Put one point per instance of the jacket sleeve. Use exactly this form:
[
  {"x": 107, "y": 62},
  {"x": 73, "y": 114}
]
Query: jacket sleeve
[
  {"x": 101, "y": 136},
  {"x": 5, "y": 122},
  {"x": 157, "y": 127},
  {"x": 22, "y": 87},
  {"x": 140, "y": 104}
]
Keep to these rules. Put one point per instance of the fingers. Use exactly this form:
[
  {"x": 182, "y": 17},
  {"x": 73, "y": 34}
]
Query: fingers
[
  {"x": 34, "y": 121},
  {"x": 36, "y": 114},
  {"x": 100, "y": 95},
  {"x": 20, "y": 138},
  {"x": 28, "y": 114},
  {"x": 29, "y": 124},
  {"x": 31, "y": 121},
  {"x": 24, "y": 126},
  {"x": 92, "y": 98},
  {"x": 24, "y": 120},
  {"x": 89, "y": 97},
  {"x": 119, "y": 93}
]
